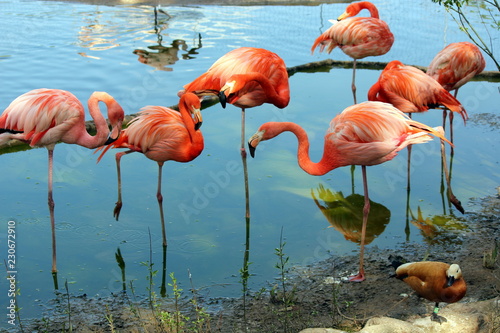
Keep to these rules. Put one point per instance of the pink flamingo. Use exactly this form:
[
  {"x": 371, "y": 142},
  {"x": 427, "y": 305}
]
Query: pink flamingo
[
  {"x": 161, "y": 134},
  {"x": 43, "y": 117},
  {"x": 246, "y": 77},
  {"x": 454, "y": 66},
  {"x": 358, "y": 37},
  {"x": 363, "y": 134},
  {"x": 411, "y": 90}
]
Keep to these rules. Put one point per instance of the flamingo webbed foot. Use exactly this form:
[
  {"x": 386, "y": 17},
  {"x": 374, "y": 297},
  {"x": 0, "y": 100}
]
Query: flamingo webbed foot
[
  {"x": 458, "y": 205},
  {"x": 360, "y": 277}
]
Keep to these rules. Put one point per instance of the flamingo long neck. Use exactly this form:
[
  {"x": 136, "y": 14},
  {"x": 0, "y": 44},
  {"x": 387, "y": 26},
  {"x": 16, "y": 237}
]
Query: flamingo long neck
[
  {"x": 102, "y": 130},
  {"x": 188, "y": 120},
  {"x": 272, "y": 92},
  {"x": 327, "y": 162},
  {"x": 366, "y": 5}
]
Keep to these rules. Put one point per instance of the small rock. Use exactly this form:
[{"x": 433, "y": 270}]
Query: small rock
[
  {"x": 389, "y": 325},
  {"x": 321, "y": 330}
]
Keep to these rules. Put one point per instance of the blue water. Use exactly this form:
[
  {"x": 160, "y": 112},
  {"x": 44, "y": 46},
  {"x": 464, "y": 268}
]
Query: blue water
[{"x": 84, "y": 48}]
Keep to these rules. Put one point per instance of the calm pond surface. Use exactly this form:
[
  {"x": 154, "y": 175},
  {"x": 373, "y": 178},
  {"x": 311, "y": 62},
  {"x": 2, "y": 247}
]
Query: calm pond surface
[{"x": 84, "y": 48}]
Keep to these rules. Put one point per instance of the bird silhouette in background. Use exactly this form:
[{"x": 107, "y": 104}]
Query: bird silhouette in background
[
  {"x": 363, "y": 134},
  {"x": 358, "y": 37},
  {"x": 161, "y": 134},
  {"x": 44, "y": 117},
  {"x": 434, "y": 281}
]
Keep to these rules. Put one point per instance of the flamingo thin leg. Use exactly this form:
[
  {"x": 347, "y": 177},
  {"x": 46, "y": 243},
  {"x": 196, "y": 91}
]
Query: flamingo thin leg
[
  {"x": 160, "y": 204},
  {"x": 451, "y": 129},
  {"x": 51, "y": 210},
  {"x": 118, "y": 205},
  {"x": 353, "y": 86},
  {"x": 245, "y": 169},
  {"x": 366, "y": 210}
]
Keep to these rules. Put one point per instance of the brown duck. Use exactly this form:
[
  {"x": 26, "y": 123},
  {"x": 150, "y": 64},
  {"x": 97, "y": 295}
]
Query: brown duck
[{"x": 434, "y": 281}]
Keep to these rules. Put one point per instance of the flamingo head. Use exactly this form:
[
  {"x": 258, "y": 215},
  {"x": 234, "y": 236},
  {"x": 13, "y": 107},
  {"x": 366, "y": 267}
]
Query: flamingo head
[
  {"x": 233, "y": 89},
  {"x": 191, "y": 102},
  {"x": 393, "y": 64},
  {"x": 115, "y": 115},
  {"x": 354, "y": 8},
  {"x": 266, "y": 131},
  {"x": 254, "y": 141}
]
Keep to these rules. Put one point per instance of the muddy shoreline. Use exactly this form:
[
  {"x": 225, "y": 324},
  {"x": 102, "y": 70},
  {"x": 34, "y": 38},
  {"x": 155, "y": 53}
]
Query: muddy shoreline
[{"x": 316, "y": 295}]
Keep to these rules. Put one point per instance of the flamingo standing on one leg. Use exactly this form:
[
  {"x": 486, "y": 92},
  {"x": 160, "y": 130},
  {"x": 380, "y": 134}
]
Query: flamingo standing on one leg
[
  {"x": 454, "y": 66},
  {"x": 411, "y": 90},
  {"x": 43, "y": 117},
  {"x": 246, "y": 77},
  {"x": 363, "y": 134},
  {"x": 358, "y": 37},
  {"x": 162, "y": 134}
]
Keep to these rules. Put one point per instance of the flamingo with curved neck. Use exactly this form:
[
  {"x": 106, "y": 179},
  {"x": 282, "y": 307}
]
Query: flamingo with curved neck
[
  {"x": 44, "y": 117},
  {"x": 161, "y": 134},
  {"x": 363, "y": 134}
]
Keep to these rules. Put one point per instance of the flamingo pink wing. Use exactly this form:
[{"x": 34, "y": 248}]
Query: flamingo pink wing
[
  {"x": 44, "y": 115},
  {"x": 456, "y": 64}
]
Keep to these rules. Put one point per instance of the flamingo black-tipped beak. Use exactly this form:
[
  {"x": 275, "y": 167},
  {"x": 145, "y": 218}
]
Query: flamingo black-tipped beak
[
  {"x": 251, "y": 149},
  {"x": 110, "y": 140},
  {"x": 343, "y": 16},
  {"x": 254, "y": 141},
  {"x": 222, "y": 99},
  {"x": 197, "y": 118}
]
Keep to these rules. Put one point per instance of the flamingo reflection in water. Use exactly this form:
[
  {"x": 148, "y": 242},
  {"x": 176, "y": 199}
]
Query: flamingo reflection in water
[
  {"x": 345, "y": 214},
  {"x": 439, "y": 229}
]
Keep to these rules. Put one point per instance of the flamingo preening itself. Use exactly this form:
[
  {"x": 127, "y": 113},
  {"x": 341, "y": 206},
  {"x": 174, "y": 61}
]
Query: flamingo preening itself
[
  {"x": 358, "y": 37},
  {"x": 454, "y": 66}
]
